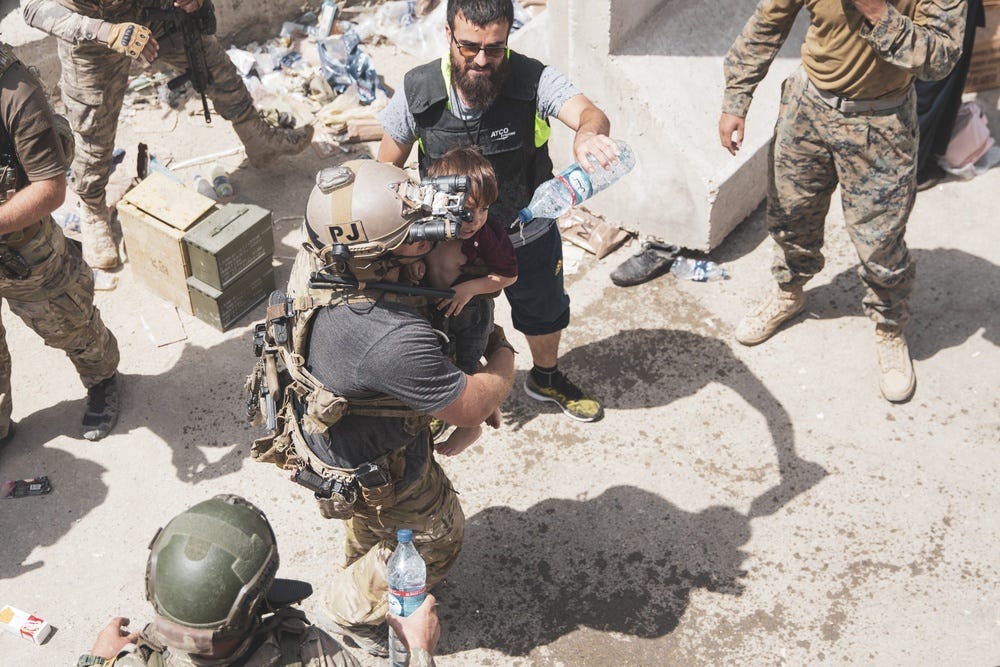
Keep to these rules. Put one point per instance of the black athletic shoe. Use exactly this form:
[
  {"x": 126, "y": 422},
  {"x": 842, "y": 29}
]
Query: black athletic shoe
[
  {"x": 652, "y": 260},
  {"x": 560, "y": 390},
  {"x": 102, "y": 408}
]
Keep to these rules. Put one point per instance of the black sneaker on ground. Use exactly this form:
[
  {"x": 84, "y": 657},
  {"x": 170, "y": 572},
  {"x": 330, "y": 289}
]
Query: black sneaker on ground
[
  {"x": 373, "y": 639},
  {"x": 561, "y": 391},
  {"x": 102, "y": 408},
  {"x": 652, "y": 260}
]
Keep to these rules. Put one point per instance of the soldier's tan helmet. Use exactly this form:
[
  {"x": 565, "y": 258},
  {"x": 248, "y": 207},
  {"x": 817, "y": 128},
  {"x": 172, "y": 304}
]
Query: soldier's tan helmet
[{"x": 355, "y": 204}]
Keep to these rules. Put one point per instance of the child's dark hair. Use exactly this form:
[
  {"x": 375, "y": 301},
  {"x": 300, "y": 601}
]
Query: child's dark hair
[
  {"x": 469, "y": 161},
  {"x": 481, "y": 12}
]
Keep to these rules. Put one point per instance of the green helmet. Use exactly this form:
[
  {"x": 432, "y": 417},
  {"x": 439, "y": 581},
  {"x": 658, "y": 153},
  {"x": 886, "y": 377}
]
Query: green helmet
[{"x": 208, "y": 572}]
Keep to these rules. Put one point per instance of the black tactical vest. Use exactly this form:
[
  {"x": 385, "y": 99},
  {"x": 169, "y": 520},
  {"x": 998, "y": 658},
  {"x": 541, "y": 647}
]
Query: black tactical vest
[{"x": 505, "y": 131}]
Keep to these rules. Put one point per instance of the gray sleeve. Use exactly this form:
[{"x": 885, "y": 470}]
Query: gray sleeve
[
  {"x": 554, "y": 90},
  {"x": 396, "y": 119},
  {"x": 409, "y": 365},
  {"x": 51, "y": 17}
]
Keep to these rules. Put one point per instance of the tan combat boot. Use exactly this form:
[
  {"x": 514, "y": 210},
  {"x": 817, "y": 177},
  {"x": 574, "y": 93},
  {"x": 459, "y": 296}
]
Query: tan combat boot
[
  {"x": 264, "y": 143},
  {"x": 896, "y": 378},
  {"x": 760, "y": 323},
  {"x": 100, "y": 250}
]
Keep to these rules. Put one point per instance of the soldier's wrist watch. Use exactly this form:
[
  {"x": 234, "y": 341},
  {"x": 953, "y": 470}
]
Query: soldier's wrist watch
[{"x": 88, "y": 660}]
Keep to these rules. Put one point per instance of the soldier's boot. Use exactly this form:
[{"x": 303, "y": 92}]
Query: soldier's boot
[
  {"x": 264, "y": 142},
  {"x": 100, "y": 250},
  {"x": 103, "y": 402},
  {"x": 896, "y": 378},
  {"x": 766, "y": 318}
]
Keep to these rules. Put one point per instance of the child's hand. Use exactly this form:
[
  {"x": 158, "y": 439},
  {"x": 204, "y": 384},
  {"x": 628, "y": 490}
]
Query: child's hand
[{"x": 463, "y": 294}]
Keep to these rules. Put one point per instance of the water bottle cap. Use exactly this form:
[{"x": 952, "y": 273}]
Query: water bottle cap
[
  {"x": 404, "y": 535},
  {"x": 526, "y": 215}
]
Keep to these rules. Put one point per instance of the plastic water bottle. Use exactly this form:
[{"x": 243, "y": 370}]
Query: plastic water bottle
[
  {"x": 204, "y": 186},
  {"x": 407, "y": 577},
  {"x": 699, "y": 270},
  {"x": 574, "y": 185},
  {"x": 220, "y": 182},
  {"x": 326, "y": 15}
]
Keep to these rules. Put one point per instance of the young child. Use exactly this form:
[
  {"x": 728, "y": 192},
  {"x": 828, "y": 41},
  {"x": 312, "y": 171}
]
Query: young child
[{"x": 480, "y": 262}]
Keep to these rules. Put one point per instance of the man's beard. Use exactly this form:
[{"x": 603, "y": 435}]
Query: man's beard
[{"x": 478, "y": 91}]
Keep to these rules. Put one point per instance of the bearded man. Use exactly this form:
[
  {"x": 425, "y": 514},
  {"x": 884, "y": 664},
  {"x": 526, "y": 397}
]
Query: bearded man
[{"x": 483, "y": 94}]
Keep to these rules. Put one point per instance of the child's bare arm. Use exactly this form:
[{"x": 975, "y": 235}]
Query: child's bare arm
[{"x": 470, "y": 288}]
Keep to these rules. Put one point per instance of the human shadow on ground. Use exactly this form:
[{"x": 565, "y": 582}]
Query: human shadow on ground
[
  {"x": 956, "y": 294},
  {"x": 40, "y": 521},
  {"x": 625, "y": 561},
  {"x": 644, "y": 368}
]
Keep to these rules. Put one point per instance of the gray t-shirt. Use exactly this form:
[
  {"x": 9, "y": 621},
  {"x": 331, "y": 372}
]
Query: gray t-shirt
[
  {"x": 554, "y": 90},
  {"x": 361, "y": 351}
]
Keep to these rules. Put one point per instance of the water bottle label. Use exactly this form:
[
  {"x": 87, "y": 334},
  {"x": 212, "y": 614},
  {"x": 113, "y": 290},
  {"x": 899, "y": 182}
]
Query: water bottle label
[
  {"x": 578, "y": 182},
  {"x": 404, "y": 603}
]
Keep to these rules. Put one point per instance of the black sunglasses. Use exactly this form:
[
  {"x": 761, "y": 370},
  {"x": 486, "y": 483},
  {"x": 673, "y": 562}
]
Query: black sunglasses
[{"x": 471, "y": 50}]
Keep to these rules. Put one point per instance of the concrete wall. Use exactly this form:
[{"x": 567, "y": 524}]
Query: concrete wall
[{"x": 656, "y": 70}]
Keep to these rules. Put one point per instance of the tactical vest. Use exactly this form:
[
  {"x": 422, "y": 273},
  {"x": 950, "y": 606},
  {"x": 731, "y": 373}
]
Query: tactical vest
[
  {"x": 510, "y": 134},
  {"x": 288, "y": 625},
  {"x": 281, "y": 373}
]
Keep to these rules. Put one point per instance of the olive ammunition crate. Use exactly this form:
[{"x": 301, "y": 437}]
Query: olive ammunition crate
[
  {"x": 222, "y": 308},
  {"x": 226, "y": 244},
  {"x": 155, "y": 215}
]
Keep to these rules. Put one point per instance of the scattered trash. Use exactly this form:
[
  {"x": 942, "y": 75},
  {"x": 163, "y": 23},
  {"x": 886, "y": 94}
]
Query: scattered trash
[
  {"x": 593, "y": 234},
  {"x": 211, "y": 157},
  {"x": 204, "y": 186},
  {"x": 698, "y": 270},
  {"x": 28, "y": 626},
  {"x": 68, "y": 219},
  {"x": 104, "y": 282},
  {"x": 18, "y": 488},
  {"x": 220, "y": 182},
  {"x": 157, "y": 166}
]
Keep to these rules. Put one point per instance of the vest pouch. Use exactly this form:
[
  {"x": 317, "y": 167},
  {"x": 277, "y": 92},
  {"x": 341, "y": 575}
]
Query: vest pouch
[
  {"x": 324, "y": 410},
  {"x": 336, "y": 506},
  {"x": 376, "y": 485},
  {"x": 277, "y": 447}
]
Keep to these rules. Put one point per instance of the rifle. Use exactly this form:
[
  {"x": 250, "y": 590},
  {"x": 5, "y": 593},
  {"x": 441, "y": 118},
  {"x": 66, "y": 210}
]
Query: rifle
[{"x": 191, "y": 27}]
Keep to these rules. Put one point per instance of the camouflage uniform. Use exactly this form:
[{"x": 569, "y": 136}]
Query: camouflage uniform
[
  {"x": 291, "y": 642},
  {"x": 94, "y": 79},
  {"x": 870, "y": 153},
  {"x": 56, "y": 300}
]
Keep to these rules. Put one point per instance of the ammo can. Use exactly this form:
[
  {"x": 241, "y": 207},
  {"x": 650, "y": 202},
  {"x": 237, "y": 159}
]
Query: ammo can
[
  {"x": 222, "y": 308},
  {"x": 226, "y": 244}
]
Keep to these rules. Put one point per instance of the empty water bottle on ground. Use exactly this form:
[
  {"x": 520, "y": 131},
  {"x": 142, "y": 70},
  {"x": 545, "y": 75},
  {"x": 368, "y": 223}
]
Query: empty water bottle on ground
[
  {"x": 574, "y": 185},
  {"x": 204, "y": 186},
  {"x": 407, "y": 577},
  {"x": 220, "y": 182},
  {"x": 698, "y": 270}
]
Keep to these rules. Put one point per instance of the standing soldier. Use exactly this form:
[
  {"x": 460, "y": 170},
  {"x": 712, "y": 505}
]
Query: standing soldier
[
  {"x": 44, "y": 279},
  {"x": 365, "y": 373},
  {"x": 97, "y": 43},
  {"x": 847, "y": 116}
]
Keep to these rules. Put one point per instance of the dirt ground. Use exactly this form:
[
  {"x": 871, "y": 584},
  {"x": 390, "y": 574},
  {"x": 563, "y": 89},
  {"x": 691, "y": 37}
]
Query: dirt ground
[{"x": 735, "y": 506}]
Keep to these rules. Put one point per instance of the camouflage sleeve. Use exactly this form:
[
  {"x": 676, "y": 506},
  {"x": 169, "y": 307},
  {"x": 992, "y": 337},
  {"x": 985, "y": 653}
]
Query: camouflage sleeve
[
  {"x": 750, "y": 56},
  {"x": 51, "y": 17},
  {"x": 928, "y": 46}
]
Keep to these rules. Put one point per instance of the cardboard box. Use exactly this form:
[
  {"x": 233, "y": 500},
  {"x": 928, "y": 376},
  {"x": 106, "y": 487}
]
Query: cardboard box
[
  {"x": 27, "y": 626},
  {"x": 222, "y": 308},
  {"x": 154, "y": 217},
  {"x": 984, "y": 70},
  {"x": 226, "y": 244}
]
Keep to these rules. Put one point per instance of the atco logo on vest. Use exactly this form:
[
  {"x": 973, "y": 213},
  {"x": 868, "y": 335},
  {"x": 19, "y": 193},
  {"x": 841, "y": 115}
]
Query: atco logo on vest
[{"x": 502, "y": 134}]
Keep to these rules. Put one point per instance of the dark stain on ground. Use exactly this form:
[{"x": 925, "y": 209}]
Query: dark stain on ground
[{"x": 625, "y": 561}]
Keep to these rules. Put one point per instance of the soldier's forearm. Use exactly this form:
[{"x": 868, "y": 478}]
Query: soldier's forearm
[
  {"x": 927, "y": 50},
  {"x": 32, "y": 203},
  {"x": 51, "y": 17}
]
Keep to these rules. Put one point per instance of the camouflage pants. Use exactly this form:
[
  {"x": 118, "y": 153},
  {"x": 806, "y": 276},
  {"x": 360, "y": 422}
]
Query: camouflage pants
[
  {"x": 873, "y": 157},
  {"x": 93, "y": 83},
  {"x": 430, "y": 507},
  {"x": 57, "y": 302}
]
